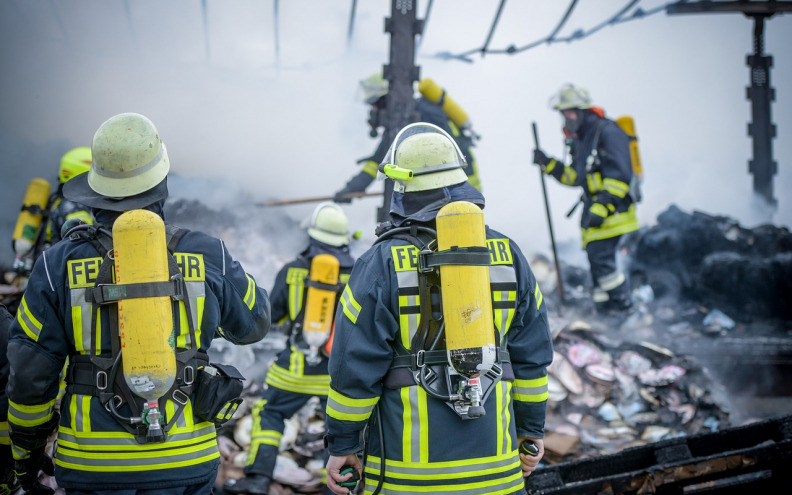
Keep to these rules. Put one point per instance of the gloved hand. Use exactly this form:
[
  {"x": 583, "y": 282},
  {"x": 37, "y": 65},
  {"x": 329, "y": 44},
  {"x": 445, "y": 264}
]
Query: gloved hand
[
  {"x": 595, "y": 216},
  {"x": 252, "y": 484},
  {"x": 356, "y": 184},
  {"x": 540, "y": 158},
  {"x": 27, "y": 472}
]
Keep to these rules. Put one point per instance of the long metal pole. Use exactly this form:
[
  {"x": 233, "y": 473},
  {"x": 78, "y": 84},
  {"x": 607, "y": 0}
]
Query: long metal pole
[{"x": 549, "y": 219}]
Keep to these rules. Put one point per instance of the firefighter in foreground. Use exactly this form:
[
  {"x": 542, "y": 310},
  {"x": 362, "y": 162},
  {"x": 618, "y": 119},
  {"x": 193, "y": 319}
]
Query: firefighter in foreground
[
  {"x": 134, "y": 305},
  {"x": 601, "y": 165},
  {"x": 304, "y": 298},
  {"x": 433, "y": 106},
  {"x": 441, "y": 342},
  {"x": 8, "y": 483}
]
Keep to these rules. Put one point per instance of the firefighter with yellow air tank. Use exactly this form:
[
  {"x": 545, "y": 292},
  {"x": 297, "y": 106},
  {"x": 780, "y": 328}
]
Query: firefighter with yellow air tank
[
  {"x": 434, "y": 106},
  {"x": 304, "y": 299},
  {"x": 133, "y": 304},
  {"x": 605, "y": 164},
  {"x": 441, "y": 343}
]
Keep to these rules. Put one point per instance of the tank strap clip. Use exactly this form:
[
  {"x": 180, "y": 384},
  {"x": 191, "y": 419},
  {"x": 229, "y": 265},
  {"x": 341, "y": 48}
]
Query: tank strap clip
[
  {"x": 470, "y": 256},
  {"x": 110, "y": 293},
  {"x": 419, "y": 359}
]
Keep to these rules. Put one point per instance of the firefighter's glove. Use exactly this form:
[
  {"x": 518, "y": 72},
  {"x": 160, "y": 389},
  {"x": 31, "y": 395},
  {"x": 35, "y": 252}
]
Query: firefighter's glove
[
  {"x": 356, "y": 184},
  {"x": 540, "y": 158},
  {"x": 596, "y": 216},
  {"x": 27, "y": 472},
  {"x": 252, "y": 484}
]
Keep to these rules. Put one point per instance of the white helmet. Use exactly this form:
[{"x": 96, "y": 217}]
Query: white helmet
[
  {"x": 373, "y": 88},
  {"x": 571, "y": 96},
  {"x": 128, "y": 157},
  {"x": 422, "y": 157},
  {"x": 329, "y": 224}
]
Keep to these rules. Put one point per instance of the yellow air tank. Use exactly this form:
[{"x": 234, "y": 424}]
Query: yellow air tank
[
  {"x": 628, "y": 126},
  {"x": 467, "y": 301},
  {"x": 146, "y": 323},
  {"x": 320, "y": 302},
  {"x": 437, "y": 95},
  {"x": 29, "y": 219}
]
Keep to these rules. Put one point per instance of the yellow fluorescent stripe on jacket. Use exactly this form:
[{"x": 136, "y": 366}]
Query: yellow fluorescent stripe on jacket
[
  {"x": 28, "y": 322},
  {"x": 350, "y": 305},
  {"x": 302, "y": 384},
  {"x": 30, "y": 415},
  {"x": 345, "y": 408},
  {"x": 534, "y": 390}
]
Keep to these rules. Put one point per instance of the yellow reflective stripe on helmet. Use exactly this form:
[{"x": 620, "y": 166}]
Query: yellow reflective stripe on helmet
[
  {"x": 616, "y": 187},
  {"x": 346, "y": 408},
  {"x": 455, "y": 472},
  {"x": 599, "y": 210},
  {"x": 534, "y": 390},
  {"x": 371, "y": 168},
  {"x": 415, "y": 417},
  {"x": 350, "y": 305},
  {"x": 30, "y": 415},
  {"x": 295, "y": 280},
  {"x": 27, "y": 321},
  {"x": 250, "y": 295}
]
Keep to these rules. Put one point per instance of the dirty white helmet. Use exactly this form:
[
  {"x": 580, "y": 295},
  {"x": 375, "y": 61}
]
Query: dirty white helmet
[
  {"x": 571, "y": 96},
  {"x": 128, "y": 157},
  {"x": 373, "y": 88},
  {"x": 329, "y": 224},
  {"x": 422, "y": 157}
]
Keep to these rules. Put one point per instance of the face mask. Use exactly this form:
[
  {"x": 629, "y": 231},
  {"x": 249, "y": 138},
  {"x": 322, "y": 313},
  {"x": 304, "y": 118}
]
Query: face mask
[{"x": 572, "y": 125}]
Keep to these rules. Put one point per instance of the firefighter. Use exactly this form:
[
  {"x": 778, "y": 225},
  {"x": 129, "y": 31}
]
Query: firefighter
[
  {"x": 389, "y": 367},
  {"x": 75, "y": 162},
  {"x": 8, "y": 483},
  {"x": 71, "y": 309},
  {"x": 374, "y": 90},
  {"x": 601, "y": 166},
  {"x": 299, "y": 372}
]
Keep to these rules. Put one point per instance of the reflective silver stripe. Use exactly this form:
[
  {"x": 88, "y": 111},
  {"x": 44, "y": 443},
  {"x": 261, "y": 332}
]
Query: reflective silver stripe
[
  {"x": 195, "y": 291},
  {"x": 78, "y": 300},
  {"x": 68, "y": 438},
  {"x": 408, "y": 280},
  {"x": 30, "y": 417},
  {"x": 334, "y": 404},
  {"x": 611, "y": 281},
  {"x": 415, "y": 425},
  {"x": 503, "y": 274},
  {"x": 130, "y": 173},
  {"x": 505, "y": 416},
  {"x": 529, "y": 390},
  {"x": 599, "y": 295},
  {"x": 28, "y": 322},
  {"x": 138, "y": 461},
  {"x": 350, "y": 305},
  {"x": 451, "y": 472}
]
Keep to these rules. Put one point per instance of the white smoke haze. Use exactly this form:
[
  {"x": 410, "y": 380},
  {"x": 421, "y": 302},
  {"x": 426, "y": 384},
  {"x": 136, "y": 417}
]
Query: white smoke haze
[{"x": 249, "y": 116}]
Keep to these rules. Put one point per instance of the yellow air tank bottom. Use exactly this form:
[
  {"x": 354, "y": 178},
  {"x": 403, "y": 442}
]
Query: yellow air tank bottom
[
  {"x": 320, "y": 303},
  {"x": 145, "y": 324},
  {"x": 28, "y": 223},
  {"x": 467, "y": 302},
  {"x": 628, "y": 126},
  {"x": 434, "y": 93}
]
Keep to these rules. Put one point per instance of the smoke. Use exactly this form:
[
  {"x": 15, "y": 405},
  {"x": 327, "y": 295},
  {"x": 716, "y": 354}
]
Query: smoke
[{"x": 252, "y": 109}]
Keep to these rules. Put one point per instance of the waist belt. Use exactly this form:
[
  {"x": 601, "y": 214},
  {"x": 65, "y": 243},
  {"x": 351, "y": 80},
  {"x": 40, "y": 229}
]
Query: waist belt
[{"x": 431, "y": 358}]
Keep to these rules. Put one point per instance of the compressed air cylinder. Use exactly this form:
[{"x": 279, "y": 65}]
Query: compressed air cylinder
[
  {"x": 628, "y": 126},
  {"x": 31, "y": 215},
  {"x": 437, "y": 95},
  {"x": 146, "y": 323},
  {"x": 319, "y": 301},
  {"x": 467, "y": 301}
]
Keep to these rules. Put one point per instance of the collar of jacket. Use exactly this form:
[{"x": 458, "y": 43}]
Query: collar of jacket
[
  {"x": 315, "y": 247},
  {"x": 422, "y": 206}
]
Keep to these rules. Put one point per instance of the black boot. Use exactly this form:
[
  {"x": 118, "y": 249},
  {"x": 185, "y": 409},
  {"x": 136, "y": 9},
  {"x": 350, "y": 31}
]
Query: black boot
[{"x": 251, "y": 484}]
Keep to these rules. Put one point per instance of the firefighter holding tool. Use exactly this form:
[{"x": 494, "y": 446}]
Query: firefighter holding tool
[
  {"x": 304, "y": 298},
  {"x": 605, "y": 165},
  {"x": 133, "y": 303},
  {"x": 439, "y": 363}
]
